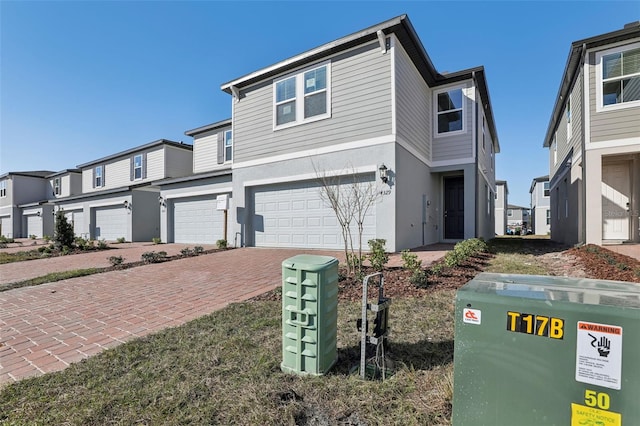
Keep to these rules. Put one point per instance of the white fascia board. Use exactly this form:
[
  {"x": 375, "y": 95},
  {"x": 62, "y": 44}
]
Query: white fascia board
[
  {"x": 308, "y": 176},
  {"x": 210, "y": 191}
]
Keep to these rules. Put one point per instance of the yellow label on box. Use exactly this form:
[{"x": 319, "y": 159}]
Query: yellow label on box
[{"x": 587, "y": 416}]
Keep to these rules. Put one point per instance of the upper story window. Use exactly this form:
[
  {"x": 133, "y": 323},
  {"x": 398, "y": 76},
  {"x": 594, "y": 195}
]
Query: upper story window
[
  {"x": 546, "y": 189},
  {"x": 137, "y": 167},
  {"x": 98, "y": 176},
  {"x": 228, "y": 145},
  {"x": 3, "y": 189},
  {"x": 483, "y": 135},
  {"x": 509, "y": 212},
  {"x": 303, "y": 97},
  {"x": 618, "y": 74},
  {"x": 450, "y": 111},
  {"x": 56, "y": 186},
  {"x": 554, "y": 147}
]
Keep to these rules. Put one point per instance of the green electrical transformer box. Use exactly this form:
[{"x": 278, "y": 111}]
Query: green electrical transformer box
[
  {"x": 309, "y": 314},
  {"x": 541, "y": 350}
]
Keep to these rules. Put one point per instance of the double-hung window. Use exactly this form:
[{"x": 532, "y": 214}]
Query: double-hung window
[
  {"x": 228, "y": 145},
  {"x": 618, "y": 74},
  {"x": 568, "y": 114},
  {"x": 302, "y": 97},
  {"x": 450, "y": 111},
  {"x": 56, "y": 186},
  {"x": 98, "y": 173},
  {"x": 3, "y": 189},
  {"x": 546, "y": 189},
  {"x": 548, "y": 217},
  {"x": 137, "y": 167}
]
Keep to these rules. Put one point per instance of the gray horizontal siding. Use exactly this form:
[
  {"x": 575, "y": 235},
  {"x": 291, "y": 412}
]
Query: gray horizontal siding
[
  {"x": 610, "y": 125},
  {"x": 460, "y": 146},
  {"x": 360, "y": 109},
  {"x": 413, "y": 105}
]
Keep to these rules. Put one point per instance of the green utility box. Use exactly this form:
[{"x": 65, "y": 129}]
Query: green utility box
[
  {"x": 540, "y": 350},
  {"x": 309, "y": 314}
]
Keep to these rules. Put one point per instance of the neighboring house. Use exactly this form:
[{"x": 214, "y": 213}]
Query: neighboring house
[
  {"x": 189, "y": 206},
  {"x": 370, "y": 104},
  {"x": 594, "y": 141},
  {"x": 540, "y": 207},
  {"x": 501, "y": 196},
  {"x": 517, "y": 219},
  {"x": 23, "y": 206},
  {"x": 118, "y": 199}
]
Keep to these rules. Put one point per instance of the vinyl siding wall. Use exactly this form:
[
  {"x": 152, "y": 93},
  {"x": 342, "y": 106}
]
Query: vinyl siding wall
[
  {"x": 205, "y": 151},
  {"x": 460, "y": 146},
  {"x": 610, "y": 125},
  {"x": 485, "y": 164},
  {"x": 565, "y": 145},
  {"x": 413, "y": 105},
  {"x": 178, "y": 162},
  {"x": 360, "y": 109}
]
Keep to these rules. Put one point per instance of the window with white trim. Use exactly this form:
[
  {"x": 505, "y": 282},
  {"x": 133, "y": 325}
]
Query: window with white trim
[
  {"x": 3, "y": 188},
  {"x": 548, "y": 217},
  {"x": 97, "y": 174},
  {"x": 618, "y": 73},
  {"x": 509, "y": 212},
  {"x": 483, "y": 135},
  {"x": 449, "y": 111},
  {"x": 137, "y": 167},
  {"x": 303, "y": 97},
  {"x": 486, "y": 188},
  {"x": 56, "y": 186},
  {"x": 546, "y": 189},
  {"x": 228, "y": 145},
  {"x": 554, "y": 147}
]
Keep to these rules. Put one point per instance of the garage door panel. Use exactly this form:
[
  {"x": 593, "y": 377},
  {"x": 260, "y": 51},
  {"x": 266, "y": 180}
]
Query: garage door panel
[
  {"x": 5, "y": 227},
  {"x": 196, "y": 220},
  {"x": 34, "y": 226},
  {"x": 111, "y": 223},
  {"x": 294, "y": 215}
]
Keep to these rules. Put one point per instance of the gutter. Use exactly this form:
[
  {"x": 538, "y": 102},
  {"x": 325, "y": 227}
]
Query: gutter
[
  {"x": 475, "y": 215},
  {"x": 583, "y": 153}
]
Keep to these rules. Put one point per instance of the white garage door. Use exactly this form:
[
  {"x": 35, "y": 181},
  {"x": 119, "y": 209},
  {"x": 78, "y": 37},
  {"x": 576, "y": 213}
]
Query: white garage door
[
  {"x": 293, "y": 215},
  {"x": 34, "y": 226},
  {"x": 5, "y": 227},
  {"x": 196, "y": 220},
  {"x": 76, "y": 217},
  {"x": 111, "y": 223}
]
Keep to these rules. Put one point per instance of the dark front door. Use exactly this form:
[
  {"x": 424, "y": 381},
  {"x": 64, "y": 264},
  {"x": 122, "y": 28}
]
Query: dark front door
[{"x": 454, "y": 208}]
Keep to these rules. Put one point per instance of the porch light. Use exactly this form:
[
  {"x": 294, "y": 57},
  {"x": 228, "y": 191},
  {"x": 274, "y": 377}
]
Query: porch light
[
  {"x": 126, "y": 204},
  {"x": 38, "y": 214},
  {"x": 161, "y": 201},
  {"x": 383, "y": 173}
]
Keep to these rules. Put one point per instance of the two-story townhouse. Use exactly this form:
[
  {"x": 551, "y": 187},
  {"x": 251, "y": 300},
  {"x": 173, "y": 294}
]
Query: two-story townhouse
[
  {"x": 23, "y": 206},
  {"x": 370, "y": 104},
  {"x": 517, "y": 219},
  {"x": 502, "y": 197},
  {"x": 594, "y": 141},
  {"x": 195, "y": 208},
  {"x": 540, "y": 206},
  {"x": 118, "y": 199}
]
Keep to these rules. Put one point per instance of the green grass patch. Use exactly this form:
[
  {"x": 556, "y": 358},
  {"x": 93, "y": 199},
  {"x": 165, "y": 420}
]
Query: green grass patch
[
  {"x": 52, "y": 277},
  {"x": 224, "y": 368},
  {"x": 517, "y": 255},
  {"x": 19, "y": 256}
]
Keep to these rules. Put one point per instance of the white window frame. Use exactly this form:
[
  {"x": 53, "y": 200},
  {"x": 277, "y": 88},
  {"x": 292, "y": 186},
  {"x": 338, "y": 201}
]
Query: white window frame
[
  {"x": 554, "y": 146},
  {"x": 3, "y": 189},
  {"x": 96, "y": 176},
  {"x": 300, "y": 95},
  {"x": 140, "y": 167},
  {"x": 228, "y": 143},
  {"x": 57, "y": 186},
  {"x": 483, "y": 133},
  {"x": 436, "y": 134},
  {"x": 548, "y": 216},
  {"x": 546, "y": 189},
  {"x": 509, "y": 212},
  {"x": 599, "y": 80}
]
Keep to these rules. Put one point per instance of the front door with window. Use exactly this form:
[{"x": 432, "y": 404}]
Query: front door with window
[
  {"x": 454, "y": 208},
  {"x": 616, "y": 198}
]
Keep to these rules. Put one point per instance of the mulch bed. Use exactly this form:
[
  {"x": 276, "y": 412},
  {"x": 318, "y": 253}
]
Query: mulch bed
[{"x": 604, "y": 264}]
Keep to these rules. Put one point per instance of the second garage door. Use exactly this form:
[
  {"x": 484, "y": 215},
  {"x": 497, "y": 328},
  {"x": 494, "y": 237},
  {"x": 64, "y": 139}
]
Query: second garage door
[
  {"x": 76, "y": 218},
  {"x": 111, "y": 223},
  {"x": 197, "y": 221},
  {"x": 293, "y": 215},
  {"x": 34, "y": 226}
]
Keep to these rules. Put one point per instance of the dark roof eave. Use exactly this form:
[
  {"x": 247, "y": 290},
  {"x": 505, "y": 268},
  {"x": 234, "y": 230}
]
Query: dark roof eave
[
  {"x": 155, "y": 143},
  {"x": 207, "y": 128},
  {"x": 33, "y": 173},
  {"x": 62, "y": 172}
]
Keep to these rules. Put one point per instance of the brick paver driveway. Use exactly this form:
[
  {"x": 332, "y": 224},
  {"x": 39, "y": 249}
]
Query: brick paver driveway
[{"x": 47, "y": 327}]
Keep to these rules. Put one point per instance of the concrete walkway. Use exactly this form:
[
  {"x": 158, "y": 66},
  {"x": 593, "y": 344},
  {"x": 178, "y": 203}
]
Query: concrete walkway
[{"x": 45, "y": 328}]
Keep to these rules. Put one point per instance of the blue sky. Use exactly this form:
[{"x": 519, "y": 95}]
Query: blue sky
[{"x": 82, "y": 80}]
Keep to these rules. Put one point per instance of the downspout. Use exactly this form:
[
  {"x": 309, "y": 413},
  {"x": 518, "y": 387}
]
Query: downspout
[
  {"x": 583, "y": 151},
  {"x": 475, "y": 213}
]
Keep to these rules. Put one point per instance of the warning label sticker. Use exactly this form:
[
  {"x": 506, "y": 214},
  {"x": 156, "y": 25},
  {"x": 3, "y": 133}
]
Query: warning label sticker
[
  {"x": 599, "y": 354},
  {"x": 587, "y": 416}
]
